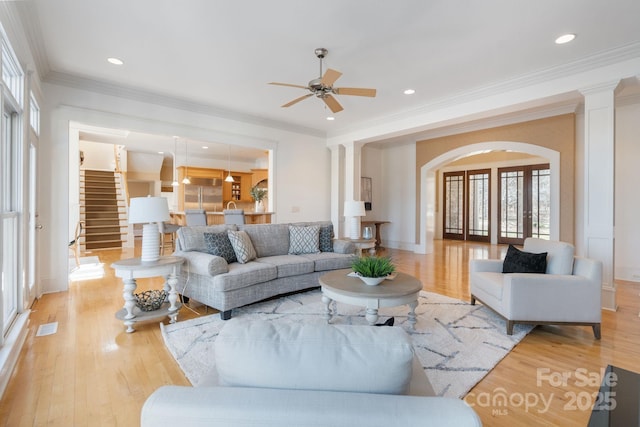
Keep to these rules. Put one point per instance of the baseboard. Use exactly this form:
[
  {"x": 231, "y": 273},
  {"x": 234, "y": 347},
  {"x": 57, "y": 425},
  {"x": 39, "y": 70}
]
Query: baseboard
[{"x": 10, "y": 351}]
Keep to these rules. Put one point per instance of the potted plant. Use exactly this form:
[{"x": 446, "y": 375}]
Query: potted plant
[
  {"x": 372, "y": 270},
  {"x": 258, "y": 194}
]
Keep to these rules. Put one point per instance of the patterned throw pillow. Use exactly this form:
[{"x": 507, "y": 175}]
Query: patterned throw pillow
[
  {"x": 326, "y": 238},
  {"x": 517, "y": 261},
  {"x": 242, "y": 246},
  {"x": 304, "y": 240},
  {"x": 220, "y": 245}
]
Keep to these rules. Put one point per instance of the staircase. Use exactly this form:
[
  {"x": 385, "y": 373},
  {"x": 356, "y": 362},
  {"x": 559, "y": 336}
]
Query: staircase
[{"x": 103, "y": 209}]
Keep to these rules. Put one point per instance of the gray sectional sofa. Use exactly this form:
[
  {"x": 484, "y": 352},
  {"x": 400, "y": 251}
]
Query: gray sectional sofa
[{"x": 284, "y": 261}]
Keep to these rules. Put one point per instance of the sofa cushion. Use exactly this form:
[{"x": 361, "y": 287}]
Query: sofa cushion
[
  {"x": 517, "y": 261},
  {"x": 244, "y": 275},
  {"x": 220, "y": 245},
  {"x": 192, "y": 238},
  {"x": 313, "y": 357},
  {"x": 325, "y": 261},
  {"x": 289, "y": 265},
  {"x": 559, "y": 254},
  {"x": 304, "y": 240},
  {"x": 489, "y": 282},
  {"x": 268, "y": 239},
  {"x": 242, "y": 246}
]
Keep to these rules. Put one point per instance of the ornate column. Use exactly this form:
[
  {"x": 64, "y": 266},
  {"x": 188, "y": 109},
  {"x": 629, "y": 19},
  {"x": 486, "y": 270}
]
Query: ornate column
[{"x": 599, "y": 189}]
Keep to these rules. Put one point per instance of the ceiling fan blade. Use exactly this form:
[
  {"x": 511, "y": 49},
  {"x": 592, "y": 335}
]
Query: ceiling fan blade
[
  {"x": 295, "y": 101},
  {"x": 332, "y": 103},
  {"x": 357, "y": 91},
  {"x": 288, "y": 84},
  {"x": 330, "y": 76}
]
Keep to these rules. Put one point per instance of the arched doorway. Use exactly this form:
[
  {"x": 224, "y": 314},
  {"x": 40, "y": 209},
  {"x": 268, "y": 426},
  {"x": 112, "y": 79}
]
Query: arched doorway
[{"x": 428, "y": 181}]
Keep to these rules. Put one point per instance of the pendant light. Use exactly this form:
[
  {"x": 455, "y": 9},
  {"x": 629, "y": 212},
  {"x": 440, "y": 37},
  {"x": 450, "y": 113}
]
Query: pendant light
[
  {"x": 229, "y": 178},
  {"x": 186, "y": 179},
  {"x": 175, "y": 152}
]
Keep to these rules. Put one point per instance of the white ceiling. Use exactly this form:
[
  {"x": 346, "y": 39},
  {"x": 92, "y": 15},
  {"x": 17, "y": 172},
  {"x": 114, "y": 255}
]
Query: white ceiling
[{"x": 222, "y": 54}]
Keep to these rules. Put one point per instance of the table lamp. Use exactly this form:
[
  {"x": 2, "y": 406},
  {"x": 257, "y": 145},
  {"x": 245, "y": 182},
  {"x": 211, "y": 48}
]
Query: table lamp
[
  {"x": 149, "y": 211},
  {"x": 354, "y": 209}
]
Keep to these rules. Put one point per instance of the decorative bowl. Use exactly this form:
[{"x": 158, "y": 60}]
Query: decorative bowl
[
  {"x": 372, "y": 281},
  {"x": 150, "y": 300}
]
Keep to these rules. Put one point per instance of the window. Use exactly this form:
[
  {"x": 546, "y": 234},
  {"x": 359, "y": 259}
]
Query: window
[
  {"x": 11, "y": 138},
  {"x": 34, "y": 114}
]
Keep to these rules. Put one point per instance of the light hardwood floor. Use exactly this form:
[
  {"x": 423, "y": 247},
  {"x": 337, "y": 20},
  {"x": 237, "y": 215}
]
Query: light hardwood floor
[{"x": 91, "y": 373}]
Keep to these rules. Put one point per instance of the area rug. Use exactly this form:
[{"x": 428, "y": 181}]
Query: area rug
[{"x": 457, "y": 343}]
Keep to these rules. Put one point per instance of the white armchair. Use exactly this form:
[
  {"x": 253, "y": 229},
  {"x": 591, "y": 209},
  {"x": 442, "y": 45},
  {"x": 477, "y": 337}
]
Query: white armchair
[{"x": 568, "y": 294}]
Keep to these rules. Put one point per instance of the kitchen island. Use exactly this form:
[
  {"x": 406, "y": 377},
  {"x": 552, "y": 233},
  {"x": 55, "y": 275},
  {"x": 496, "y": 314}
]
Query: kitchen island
[{"x": 218, "y": 218}]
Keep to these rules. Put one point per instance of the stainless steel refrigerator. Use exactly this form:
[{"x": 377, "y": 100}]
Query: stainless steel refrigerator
[{"x": 203, "y": 193}]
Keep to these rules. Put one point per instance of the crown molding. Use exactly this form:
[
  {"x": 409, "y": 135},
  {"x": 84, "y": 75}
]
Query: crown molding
[
  {"x": 588, "y": 63},
  {"x": 134, "y": 94}
]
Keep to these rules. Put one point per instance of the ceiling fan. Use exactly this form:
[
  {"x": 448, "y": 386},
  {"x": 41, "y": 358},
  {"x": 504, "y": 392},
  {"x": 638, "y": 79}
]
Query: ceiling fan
[{"x": 322, "y": 87}]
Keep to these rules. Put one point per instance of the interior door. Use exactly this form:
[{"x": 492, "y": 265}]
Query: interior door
[
  {"x": 34, "y": 226},
  {"x": 524, "y": 203},
  {"x": 454, "y": 208},
  {"x": 479, "y": 205}
]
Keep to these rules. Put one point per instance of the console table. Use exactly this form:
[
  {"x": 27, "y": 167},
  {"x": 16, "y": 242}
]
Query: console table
[
  {"x": 131, "y": 269},
  {"x": 377, "y": 224}
]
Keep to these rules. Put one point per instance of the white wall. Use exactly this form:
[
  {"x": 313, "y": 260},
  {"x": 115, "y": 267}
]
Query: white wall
[
  {"x": 97, "y": 156},
  {"x": 395, "y": 195},
  {"x": 300, "y": 164},
  {"x": 627, "y": 196}
]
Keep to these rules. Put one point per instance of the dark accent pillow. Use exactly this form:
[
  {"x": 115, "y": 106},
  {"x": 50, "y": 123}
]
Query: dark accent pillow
[
  {"x": 326, "y": 238},
  {"x": 517, "y": 261},
  {"x": 220, "y": 245}
]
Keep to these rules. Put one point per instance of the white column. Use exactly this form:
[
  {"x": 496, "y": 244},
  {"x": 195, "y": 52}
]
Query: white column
[
  {"x": 352, "y": 167},
  {"x": 599, "y": 190},
  {"x": 337, "y": 197}
]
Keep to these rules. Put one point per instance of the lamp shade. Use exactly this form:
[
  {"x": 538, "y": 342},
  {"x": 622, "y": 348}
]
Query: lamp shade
[
  {"x": 354, "y": 208},
  {"x": 148, "y": 209}
]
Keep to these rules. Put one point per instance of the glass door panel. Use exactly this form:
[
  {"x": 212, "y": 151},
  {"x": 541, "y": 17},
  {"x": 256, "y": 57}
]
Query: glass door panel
[
  {"x": 524, "y": 205},
  {"x": 479, "y": 216},
  {"x": 453, "y": 223}
]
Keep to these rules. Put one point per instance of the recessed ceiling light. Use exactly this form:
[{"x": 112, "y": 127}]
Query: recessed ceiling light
[
  {"x": 409, "y": 91},
  {"x": 160, "y": 152},
  {"x": 565, "y": 38},
  {"x": 205, "y": 147},
  {"x": 330, "y": 118},
  {"x": 115, "y": 61}
]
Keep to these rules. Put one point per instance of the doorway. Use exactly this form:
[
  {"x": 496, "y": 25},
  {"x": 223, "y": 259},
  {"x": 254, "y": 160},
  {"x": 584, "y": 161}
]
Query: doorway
[{"x": 524, "y": 203}]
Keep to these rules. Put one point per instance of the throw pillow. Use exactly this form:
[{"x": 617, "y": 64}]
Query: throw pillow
[
  {"x": 304, "y": 240},
  {"x": 242, "y": 246},
  {"x": 325, "y": 243},
  {"x": 220, "y": 245},
  {"x": 517, "y": 261}
]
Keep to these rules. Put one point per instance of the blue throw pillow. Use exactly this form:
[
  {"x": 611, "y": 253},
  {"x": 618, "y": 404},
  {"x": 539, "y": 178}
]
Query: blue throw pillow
[
  {"x": 517, "y": 261},
  {"x": 326, "y": 238},
  {"x": 220, "y": 245}
]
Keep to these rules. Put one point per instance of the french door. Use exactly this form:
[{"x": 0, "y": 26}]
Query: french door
[
  {"x": 467, "y": 207},
  {"x": 524, "y": 203}
]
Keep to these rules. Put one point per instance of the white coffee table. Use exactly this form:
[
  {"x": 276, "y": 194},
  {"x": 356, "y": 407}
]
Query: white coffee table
[{"x": 338, "y": 286}]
